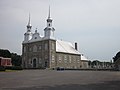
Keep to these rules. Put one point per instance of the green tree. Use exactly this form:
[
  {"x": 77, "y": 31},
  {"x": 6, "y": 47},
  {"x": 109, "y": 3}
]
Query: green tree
[
  {"x": 16, "y": 59},
  {"x": 5, "y": 53},
  {"x": 89, "y": 63},
  {"x": 116, "y": 57},
  {"x": 95, "y": 63}
]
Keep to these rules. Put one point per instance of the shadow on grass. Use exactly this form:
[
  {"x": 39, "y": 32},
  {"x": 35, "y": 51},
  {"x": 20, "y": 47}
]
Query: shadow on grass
[{"x": 111, "y": 85}]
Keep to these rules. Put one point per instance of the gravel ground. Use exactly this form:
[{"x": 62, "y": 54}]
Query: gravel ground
[{"x": 59, "y": 80}]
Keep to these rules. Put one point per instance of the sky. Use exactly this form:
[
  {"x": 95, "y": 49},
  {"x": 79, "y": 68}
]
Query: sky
[{"x": 93, "y": 24}]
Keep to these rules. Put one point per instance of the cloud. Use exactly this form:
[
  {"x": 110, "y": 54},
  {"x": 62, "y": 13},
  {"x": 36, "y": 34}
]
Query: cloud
[{"x": 92, "y": 23}]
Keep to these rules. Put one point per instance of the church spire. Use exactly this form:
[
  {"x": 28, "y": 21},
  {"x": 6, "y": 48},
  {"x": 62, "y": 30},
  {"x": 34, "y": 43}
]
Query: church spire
[
  {"x": 28, "y": 34},
  {"x": 49, "y": 13},
  {"x": 29, "y": 21},
  {"x": 29, "y": 24},
  {"x": 49, "y": 30},
  {"x": 49, "y": 20}
]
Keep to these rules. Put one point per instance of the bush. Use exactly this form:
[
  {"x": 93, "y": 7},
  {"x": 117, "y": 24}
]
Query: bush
[
  {"x": 8, "y": 67},
  {"x": 17, "y": 68},
  {"x": 2, "y": 68},
  {"x": 14, "y": 68}
]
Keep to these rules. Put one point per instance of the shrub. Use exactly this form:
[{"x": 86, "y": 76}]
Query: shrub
[
  {"x": 14, "y": 68},
  {"x": 2, "y": 68},
  {"x": 17, "y": 68}
]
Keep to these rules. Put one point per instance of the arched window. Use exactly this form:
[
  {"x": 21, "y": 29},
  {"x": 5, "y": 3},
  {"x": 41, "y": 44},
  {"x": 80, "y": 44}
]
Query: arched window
[
  {"x": 46, "y": 46},
  {"x": 53, "y": 46},
  {"x": 35, "y": 37},
  {"x": 49, "y": 24},
  {"x": 30, "y": 49},
  {"x": 34, "y": 48},
  {"x": 53, "y": 58},
  {"x": 40, "y": 61},
  {"x": 24, "y": 49},
  {"x": 40, "y": 47},
  {"x": 70, "y": 59},
  {"x": 59, "y": 58}
]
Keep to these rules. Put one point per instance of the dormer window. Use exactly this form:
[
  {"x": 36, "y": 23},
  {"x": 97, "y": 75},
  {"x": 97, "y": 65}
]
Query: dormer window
[{"x": 49, "y": 24}]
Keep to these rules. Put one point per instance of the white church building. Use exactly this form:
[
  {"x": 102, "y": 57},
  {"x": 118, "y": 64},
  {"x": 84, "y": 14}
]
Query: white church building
[{"x": 47, "y": 51}]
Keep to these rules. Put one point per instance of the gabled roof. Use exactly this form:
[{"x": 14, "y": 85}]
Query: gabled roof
[{"x": 65, "y": 47}]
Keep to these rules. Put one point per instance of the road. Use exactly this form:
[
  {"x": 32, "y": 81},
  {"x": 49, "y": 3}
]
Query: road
[{"x": 59, "y": 80}]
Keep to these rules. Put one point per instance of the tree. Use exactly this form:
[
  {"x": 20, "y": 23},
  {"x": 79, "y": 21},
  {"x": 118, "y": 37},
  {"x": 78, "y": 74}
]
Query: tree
[
  {"x": 116, "y": 57},
  {"x": 16, "y": 59},
  {"x": 89, "y": 63},
  {"x": 95, "y": 62},
  {"x": 5, "y": 53}
]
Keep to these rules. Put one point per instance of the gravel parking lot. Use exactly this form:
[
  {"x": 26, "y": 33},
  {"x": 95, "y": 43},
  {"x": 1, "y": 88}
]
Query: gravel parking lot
[{"x": 59, "y": 80}]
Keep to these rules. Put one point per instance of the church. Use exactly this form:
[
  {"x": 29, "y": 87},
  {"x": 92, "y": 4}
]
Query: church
[{"x": 47, "y": 51}]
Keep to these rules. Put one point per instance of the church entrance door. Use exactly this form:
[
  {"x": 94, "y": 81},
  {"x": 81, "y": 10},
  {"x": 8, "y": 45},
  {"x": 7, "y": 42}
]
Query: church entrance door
[
  {"x": 46, "y": 64},
  {"x": 34, "y": 63}
]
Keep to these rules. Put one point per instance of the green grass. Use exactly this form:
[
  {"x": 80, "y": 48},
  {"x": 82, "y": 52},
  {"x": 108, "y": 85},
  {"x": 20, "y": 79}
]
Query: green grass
[{"x": 10, "y": 71}]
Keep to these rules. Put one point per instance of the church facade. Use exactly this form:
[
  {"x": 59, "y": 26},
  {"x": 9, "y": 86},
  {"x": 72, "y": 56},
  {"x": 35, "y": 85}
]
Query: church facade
[{"x": 47, "y": 51}]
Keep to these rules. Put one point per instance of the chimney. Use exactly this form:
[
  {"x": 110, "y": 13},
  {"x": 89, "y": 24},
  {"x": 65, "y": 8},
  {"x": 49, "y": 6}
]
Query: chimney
[{"x": 76, "y": 45}]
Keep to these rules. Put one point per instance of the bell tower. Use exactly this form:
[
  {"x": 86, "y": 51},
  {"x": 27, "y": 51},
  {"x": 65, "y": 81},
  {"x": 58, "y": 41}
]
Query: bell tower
[
  {"x": 49, "y": 30},
  {"x": 28, "y": 34}
]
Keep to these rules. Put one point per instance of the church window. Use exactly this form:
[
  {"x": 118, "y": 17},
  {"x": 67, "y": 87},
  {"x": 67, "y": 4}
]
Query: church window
[
  {"x": 30, "y": 49},
  {"x": 40, "y": 61},
  {"x": 24, "y": 58},
  {"x": 29, "y": 61},
  {"x": 46, "y": 56},
  {"x": 35, "y": 37},
  {"x": 34, "y": 48},
  {"x": 74, "y": 59},
  {"x": 78, "y": 60},
  {"x": 52, "y": 46},
  {"x": 53, "y": 58},
  {"x": 24, "y": 49},
  {"x": 59, "y": 58},
  {"x": 69, "y": 59},
  {"x": 49, "y": 24},
  {"x": 46, "y": 46},
  {"x": 40, "y": 47},
  {"x": 65, "y": 59}
]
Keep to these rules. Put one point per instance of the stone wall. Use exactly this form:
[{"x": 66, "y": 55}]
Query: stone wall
[
  {"x": 66, "y": 60},
  {"x": 38, "y": 54}
]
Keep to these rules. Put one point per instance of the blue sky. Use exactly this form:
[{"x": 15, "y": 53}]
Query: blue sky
[{"x": 94, "y": 24}]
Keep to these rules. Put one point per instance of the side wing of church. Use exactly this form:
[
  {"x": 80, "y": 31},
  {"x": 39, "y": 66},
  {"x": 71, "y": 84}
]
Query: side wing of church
[{"x": 46, "y": 51}]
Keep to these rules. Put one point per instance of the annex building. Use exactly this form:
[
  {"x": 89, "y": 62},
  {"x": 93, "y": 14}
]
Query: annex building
[{"x": 47, "y": 51}]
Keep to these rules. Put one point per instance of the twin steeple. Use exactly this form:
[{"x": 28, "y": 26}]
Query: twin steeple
[
  {"x": 48, "y": 31},
  {"x": 49, "y": 21}
]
